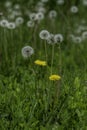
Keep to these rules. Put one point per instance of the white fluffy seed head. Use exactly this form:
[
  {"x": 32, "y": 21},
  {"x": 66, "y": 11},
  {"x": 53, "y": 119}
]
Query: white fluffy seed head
[
  {"x": 60, "y": 2},
  {"x": 74, "y": 9},
  {"x": 77, "y": 39},
  {"x": 52, "y": 14},
  {"x": 8, "y": 4},
  {"x": 16, "y": 6},
  {"x": 84, "y": 2},
  {"x": 84, "y": 35},
  {"x": 32, "y": 16},
  {"x": 44, "y": 34},
  {"x": 4, "y": 23},
  {"x": 27, "y": 51},
  {"x": 30, "y": 24},
  {"x": 71, "y": 37},
  {"x": 11, "y": 17},
  {"x": 41, "y": 9},
  {"x": 58, "y": 38},
  {"x": 40, "y": 4},
  {"x": 1, "y": 13},
  {"x": 11, "y": 25},
  {"x": 44, "y": 1},
  {"x": 19, "y": 20},
  {"x": 50, "y": 39},
  {"x": 39, "y": 16}
]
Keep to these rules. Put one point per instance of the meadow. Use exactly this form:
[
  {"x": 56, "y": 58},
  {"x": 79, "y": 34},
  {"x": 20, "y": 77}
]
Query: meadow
[{"x": 43, "y": 65}]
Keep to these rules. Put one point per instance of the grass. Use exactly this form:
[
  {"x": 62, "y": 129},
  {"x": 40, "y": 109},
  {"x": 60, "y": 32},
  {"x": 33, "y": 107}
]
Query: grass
[{"x": 28, "y": 99}]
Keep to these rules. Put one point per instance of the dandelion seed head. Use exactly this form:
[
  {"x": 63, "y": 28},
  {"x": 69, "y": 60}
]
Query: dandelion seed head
[
  {"x": 27, "y": 51},
  {"x": 84, "y": 2},
  {"x": 30, "y": 24},
  {"x": 33, "y": 16},
  {"x": 52, "y": 14},
  {"x": 77, "y": 39},
  {"x": 8, "y": 4},
  {"x": 40, "y": 4},
  {"x": 60, "y": 2},
  {"x": 41, "y": 9},
  {"x": 4, "y": 23},
  {"x": 44, "y": 1},
  {"x": 74, "y": 9},
  {"x": 71, "y": 37},
  {"x": 44, "y": 34},
  {"x": 16, "y": 6},
  {"x": 50, "y": 39},
  {"x": 9, "y": 10},
  {"x": 1, "y": 13},
  {"x": 83, "y": 21},
  {"x": 11, "y": 17},
  {"x": 11, "y": 25},
  {"x": 82, "y": 28},
  {"x": 17, "y": 13},
  {"x": 58, "y": 38},
  {"x": 19, "y": 20},
  {"x": 39, "y": 16},
  {"x": 84, "y": 35}
]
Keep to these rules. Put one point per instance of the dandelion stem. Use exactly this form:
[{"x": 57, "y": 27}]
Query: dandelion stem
[
  {"x": 59, "y": 71},
  {"x": 60, "y": 63},
  {"x": 45, "y": 50},
  {"x": 52, "y": 58},
  {"x": 34, "y": 34},
  {"x": 5, "y": 45}
]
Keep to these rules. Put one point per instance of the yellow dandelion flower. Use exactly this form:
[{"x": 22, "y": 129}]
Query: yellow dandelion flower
[
  {"x": 40, "y": 62},
  {"x": 54, "y": 77}
]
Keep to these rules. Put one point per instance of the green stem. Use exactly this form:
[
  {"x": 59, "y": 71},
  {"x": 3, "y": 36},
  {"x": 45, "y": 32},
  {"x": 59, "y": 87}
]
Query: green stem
[
  {"x": 60, "y": 62},
  {"x": 52, "y": 58},
  {"x": 46, "y": 50}
]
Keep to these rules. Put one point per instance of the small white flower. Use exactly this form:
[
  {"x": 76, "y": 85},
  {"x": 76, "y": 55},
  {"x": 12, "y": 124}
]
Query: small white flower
[
  {"x": 71, "y": 37},
  {"x": 82, "y": 28},
  {"x": 84, "y": 2},
  {"x": 39, "y": 16},
  {"x": 41, "y": 9},
  {"x": 74, "y": 9},
  {"x": 32, "y": 16},
  {"x": 84, "y": 35},
  {"x": 40, "y": 4},
  {"x": 1, "y": 13},
  {"x": 27, "y": 51},
  {"x": 11, "y": 25},
  {"x": 78, "y": 31},
  {"x": 44, "y": 34},
  {"x": 58, "y": 38},
  {"x": 8, "y": 4},
  {"x": 11, "y": 16},
  {"x": 60, "y": 2},
  {"x": 44, "y": 1},
  {"x": 52, "y": 14},
  {"x": 19, "y": 20},
  {"x": 83, "y": 21},
  {"x": 77, "y": 39},
  {"x": 17, "y": 13},
  {"x": 30, "y": 24},
  {"x": 4, "y": 23},
  {"x": 9, "y": 10},
  {"x": 16, "y": 6},
  {"x": 50, "y": 39}
]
